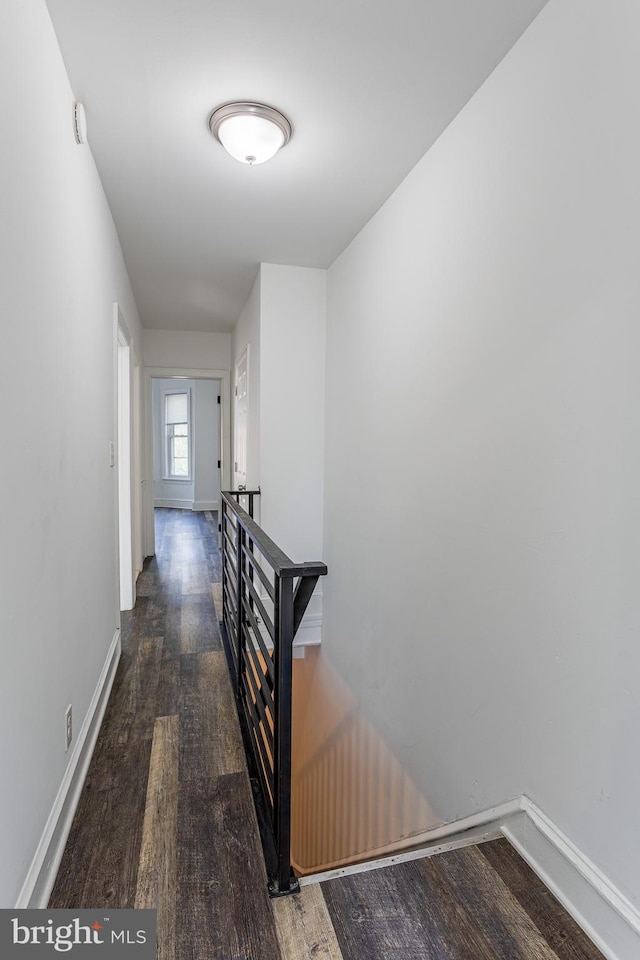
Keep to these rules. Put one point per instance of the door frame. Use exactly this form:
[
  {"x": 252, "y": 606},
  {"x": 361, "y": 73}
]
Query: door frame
[
  {"x": 124, "y": 456},
  {"x": 188, "y": 373}
]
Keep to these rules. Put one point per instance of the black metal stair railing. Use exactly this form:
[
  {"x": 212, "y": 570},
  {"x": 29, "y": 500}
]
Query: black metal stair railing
[
  {"x": 245, "y": 497},
  {"x": 264, "y": 597}
]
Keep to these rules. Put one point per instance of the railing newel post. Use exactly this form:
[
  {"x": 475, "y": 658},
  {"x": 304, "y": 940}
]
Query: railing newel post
[
  {"x": 283, "y": 619},
  {"x": 223, "y": 520}
]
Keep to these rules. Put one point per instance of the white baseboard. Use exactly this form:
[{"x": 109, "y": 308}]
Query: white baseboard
[
  {"x": 173, "y": 504},
  {"x": 204, "y": 505},
  {"x": 309, "y": 632},
  {"x": 177, "y": 504},
  {"x": 41, "y": 876},
  {"x": 476, "y": 828},
  {"x": 606, "y": 916}
]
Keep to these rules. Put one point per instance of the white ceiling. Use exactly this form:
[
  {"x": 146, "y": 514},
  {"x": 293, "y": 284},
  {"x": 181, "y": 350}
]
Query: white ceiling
[{"x": 367, "y": 84}]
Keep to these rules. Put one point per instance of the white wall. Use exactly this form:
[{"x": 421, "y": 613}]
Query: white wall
[
  {"x": 284, "y": 324},
  {"x": 292, "y": 398},
  {"x": 247, "y": 333},
  {"x": 61, "y": 269},
  {"x": 482, "y": 463},
  {"x": 188, "y": 349},
  {"x": 202, "y": 491}
]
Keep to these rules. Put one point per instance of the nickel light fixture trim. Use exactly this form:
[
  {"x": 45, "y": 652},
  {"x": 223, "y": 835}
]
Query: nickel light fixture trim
[{"x": 251, "y": 132}]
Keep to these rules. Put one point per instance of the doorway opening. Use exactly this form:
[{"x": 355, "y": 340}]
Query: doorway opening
[{"x": 188, "y": 446}]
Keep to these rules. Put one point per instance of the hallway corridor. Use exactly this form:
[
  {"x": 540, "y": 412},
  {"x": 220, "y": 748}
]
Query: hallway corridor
[{"x": 166, "y": 816}]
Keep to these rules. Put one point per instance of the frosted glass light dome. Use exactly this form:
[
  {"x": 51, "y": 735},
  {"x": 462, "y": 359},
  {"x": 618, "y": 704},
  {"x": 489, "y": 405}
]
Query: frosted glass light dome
[{"x": 250, "y": 132}]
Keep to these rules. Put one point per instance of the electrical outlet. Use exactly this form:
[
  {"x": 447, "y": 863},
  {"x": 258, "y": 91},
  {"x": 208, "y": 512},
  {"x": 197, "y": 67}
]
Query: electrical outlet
[{"x": 68, "y": 726}]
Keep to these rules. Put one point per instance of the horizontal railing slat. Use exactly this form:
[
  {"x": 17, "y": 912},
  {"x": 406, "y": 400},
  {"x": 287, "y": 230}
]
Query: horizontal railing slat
[
  {"x": 265, "y": 761},
  {"x": 260, "y": 641},
  {"x": 264, "y": 708},
  {"x": 255, "y": 596},
  {"x": 253, "y": 560}
]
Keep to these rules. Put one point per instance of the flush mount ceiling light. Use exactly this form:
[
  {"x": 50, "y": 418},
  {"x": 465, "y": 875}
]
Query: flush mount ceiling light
[{"x": 250, "y": 132}]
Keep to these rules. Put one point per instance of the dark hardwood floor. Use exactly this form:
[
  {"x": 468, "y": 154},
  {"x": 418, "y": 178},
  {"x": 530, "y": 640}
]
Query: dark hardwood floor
[
  {"x": 166, "y": 816},
  {"x": 476, "y": 903}
]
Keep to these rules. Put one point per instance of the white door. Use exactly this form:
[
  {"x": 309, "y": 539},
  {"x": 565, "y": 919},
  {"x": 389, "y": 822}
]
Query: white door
[
  {"x": 240, "y": 419},
  {"x": 137, "y": 505},
  {"x": 220, "y": 443}
]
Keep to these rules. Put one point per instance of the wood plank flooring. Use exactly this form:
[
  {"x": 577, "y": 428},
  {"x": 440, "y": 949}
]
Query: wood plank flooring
[
  {"x": 475, "y": 903},
  {"x": 166, "y": 816},
  {"x": 305, "y": 928}
]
